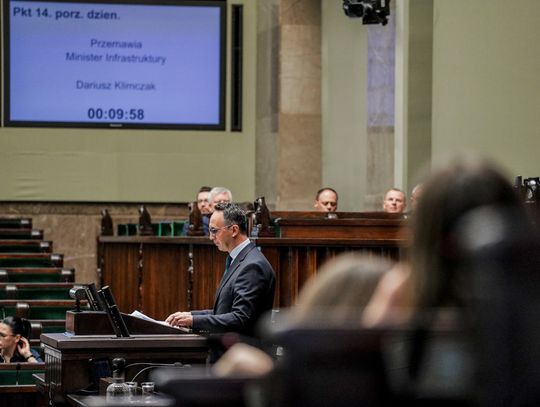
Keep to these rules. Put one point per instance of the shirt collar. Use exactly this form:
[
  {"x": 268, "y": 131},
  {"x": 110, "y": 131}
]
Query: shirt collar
[{"x": 236, "y": 251}]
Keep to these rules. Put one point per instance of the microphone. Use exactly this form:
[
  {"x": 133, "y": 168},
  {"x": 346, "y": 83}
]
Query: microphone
[{"x": 78, "y": 294}]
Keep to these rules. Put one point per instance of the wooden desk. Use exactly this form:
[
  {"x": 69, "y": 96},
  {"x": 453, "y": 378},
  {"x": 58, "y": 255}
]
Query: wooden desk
[
  {"x": 368, "y": 229},
  {"x": 101, "y": 401},
  {"x": 66, "y": 357},
  {"x": 161, "y": 275},
  {"x": 295, "y": 260}
]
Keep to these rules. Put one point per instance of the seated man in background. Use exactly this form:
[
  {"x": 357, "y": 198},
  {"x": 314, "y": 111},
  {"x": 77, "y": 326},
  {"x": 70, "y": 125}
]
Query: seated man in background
[
  {"x": 413, "y": 200},
  {"x": 326, "y": 200},
  {"x": 202, "y": 200},
  {"x": 218, "y": 195},
  {"x": 394, "y": 201},
  {"x": 415, "y": 196},
  {"x": 204, "y": 208}
]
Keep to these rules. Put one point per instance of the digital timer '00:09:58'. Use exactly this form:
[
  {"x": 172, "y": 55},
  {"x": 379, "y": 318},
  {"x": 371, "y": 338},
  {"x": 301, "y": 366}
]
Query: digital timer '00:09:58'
[{"x": 115, "y": 113}]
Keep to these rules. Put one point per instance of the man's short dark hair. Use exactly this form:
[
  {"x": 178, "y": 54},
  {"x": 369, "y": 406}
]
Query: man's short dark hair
[
  {"x": 320, "y": 191},
  {"x": 205, "y": 189},
  {"x": 233, "y": 215}
]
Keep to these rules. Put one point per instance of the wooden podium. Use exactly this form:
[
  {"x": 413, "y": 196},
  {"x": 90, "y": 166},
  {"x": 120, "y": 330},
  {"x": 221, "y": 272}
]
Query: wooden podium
[
  {"x": 97, "y": 323},
  {"x": 68, "y": 355}
]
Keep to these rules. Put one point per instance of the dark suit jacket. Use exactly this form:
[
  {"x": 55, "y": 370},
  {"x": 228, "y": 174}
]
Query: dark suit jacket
[{"x": 245, "y": 293}]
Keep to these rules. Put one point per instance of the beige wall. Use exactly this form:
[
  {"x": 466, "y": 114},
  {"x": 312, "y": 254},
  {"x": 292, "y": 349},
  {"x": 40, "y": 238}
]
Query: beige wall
[
  {"x": 486, "y": 87},
  {"x": 419, "y": 85},
  {"x": 299, "y": 104},
  {"x": 267, "y": 132},
  {"x": 133, "y": 166},
  {"x": 344, "y": 106},
  {"x": 471, "y": 83}
]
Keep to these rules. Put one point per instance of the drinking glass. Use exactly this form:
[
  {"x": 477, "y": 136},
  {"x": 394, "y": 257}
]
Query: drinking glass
[
  {"x": 147, "y": 389},
  {"x": 132, "y": 389}
]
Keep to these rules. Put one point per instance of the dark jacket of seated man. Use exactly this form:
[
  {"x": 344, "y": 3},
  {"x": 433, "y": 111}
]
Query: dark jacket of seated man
[{"x": 247, "y": 287}]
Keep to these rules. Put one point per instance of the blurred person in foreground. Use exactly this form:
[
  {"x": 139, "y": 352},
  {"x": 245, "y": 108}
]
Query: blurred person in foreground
[
  {"x": 472, "y": 274},
  {"x": 458, "y": 185},
  {"x": 335, "y": 296}
]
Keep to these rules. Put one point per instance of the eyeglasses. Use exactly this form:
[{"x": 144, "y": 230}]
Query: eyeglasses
[{"x": 215, "y": 231}]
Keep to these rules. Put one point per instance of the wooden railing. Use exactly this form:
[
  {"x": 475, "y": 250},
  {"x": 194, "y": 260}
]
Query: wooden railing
[{"x": 159, "y": 275}]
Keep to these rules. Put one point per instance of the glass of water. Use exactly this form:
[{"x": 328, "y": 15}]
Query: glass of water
[
  {"x": 132, "y": 386},
  {"x": 147, "y": 389}
]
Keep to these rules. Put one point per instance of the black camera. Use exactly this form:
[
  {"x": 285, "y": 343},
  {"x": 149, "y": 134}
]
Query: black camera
[
  {"x": 370, "y": 11},
  {"x": 532, "y": 189}
]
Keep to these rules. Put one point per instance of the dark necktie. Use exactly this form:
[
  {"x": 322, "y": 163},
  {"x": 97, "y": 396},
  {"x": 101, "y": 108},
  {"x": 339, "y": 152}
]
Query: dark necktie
[{"x": 227, "y": 263}]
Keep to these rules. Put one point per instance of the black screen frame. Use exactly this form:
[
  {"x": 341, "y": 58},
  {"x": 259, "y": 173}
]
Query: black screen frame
[{"x": 220, "y": 126}]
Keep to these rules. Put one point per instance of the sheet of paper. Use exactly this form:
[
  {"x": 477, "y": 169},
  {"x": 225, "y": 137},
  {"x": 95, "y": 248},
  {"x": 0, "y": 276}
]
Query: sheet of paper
[{"x": 140, "y": 315}]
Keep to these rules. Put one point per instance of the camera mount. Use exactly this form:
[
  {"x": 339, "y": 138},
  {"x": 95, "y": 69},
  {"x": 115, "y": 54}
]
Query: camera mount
[{"x": 370, "y": 11}]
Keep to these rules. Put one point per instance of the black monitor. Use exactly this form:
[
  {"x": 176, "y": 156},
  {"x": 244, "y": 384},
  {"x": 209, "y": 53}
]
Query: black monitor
[
  {"x": 114, "y": 64},
  {"x": 115, "y": 317},
  {"x": 95, "y": 301}
]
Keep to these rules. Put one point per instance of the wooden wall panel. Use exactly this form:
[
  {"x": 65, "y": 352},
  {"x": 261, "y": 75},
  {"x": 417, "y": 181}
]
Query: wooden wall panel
[
  {"x": 165, "y": 278},
  {"x": 119, "y": 268},
  {"x": 272, "y": 254},
  {"x": 208, "y": 268}
]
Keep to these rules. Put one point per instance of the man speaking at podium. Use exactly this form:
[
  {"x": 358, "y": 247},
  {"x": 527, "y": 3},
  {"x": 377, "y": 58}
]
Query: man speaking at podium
[{"x": 247, "y": 288}]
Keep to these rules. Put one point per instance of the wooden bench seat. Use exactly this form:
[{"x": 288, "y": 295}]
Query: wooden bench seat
[
  {"x": 35, "y": 291},
  {"x": 31, "y": 260},
  {"x": 37, "y": 309},
  {"x": 25, "y": 246},
  {"x": 51, "y": 325},
  {"x": 15, "y": 223},
  {"x": 18, "y": 386},
  {"x": 33, "y": 285},
  {"x": 35, "y": 234},
  {"x": 10, "y": 372},
  {"x": 36, "y": 274}
]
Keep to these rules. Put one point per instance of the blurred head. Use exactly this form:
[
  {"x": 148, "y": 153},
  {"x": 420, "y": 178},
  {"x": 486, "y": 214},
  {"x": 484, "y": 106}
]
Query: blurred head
[
  {"x": 227, "y": 226},
  {"x": 326, "y": 200},
  {"x": 219, "y": 195},
  {"x": 394, "y": 201},
  {"x": 455, "y": 187},
  {"x": 415, "y": 196},
  {"x": 202, "y": 200},
  {"x": 340, "y": 290},
  {"x": 11, "y": 331}
]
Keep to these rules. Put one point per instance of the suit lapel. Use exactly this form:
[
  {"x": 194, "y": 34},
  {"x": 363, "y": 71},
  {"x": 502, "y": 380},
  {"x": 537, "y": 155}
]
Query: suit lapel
[{"x": 232, "y": 269}]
